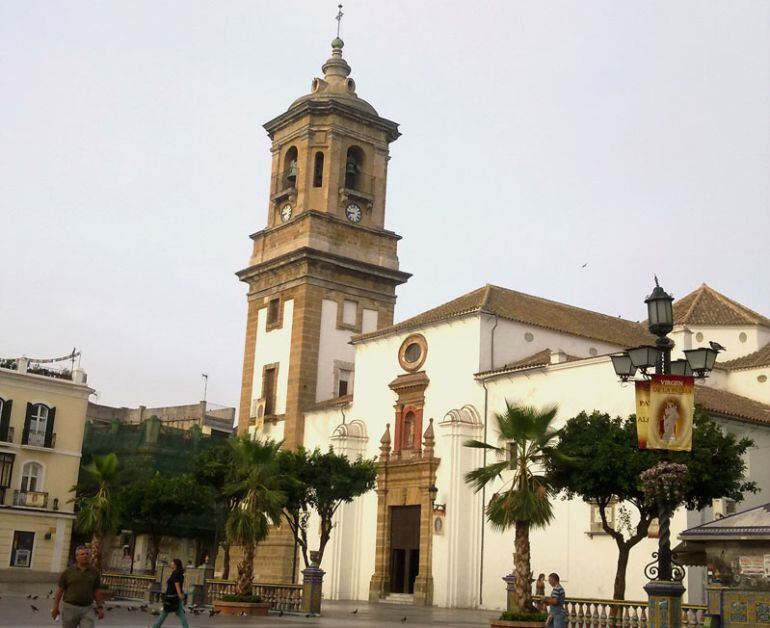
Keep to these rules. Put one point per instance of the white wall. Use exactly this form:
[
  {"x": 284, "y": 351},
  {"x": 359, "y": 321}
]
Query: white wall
[
  {"x": 727, "y": 336},
  {"x": 334, "y": 344},
  {"x": 273, "y": 346},
  {"x": 749, "y": 383},
  {"x": 511, "y": 342}
]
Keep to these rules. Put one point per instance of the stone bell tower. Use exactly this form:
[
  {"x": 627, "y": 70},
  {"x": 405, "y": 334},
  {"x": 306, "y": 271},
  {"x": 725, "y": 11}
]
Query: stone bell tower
[{"x": 324, "y": 268}]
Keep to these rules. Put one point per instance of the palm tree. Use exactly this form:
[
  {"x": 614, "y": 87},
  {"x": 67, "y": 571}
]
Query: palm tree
[
  {"x": 523, "y": 502},
  {"x": 98, "y": 512},
  {"x": 257, "y": 501}
]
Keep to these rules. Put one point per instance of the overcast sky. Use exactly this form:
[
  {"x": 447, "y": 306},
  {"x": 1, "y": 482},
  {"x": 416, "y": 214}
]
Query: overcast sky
[{"x": 634, "y": 136}]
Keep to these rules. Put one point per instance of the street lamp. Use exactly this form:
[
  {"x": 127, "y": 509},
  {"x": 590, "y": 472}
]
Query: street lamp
[{"x": 665, "y": 589}]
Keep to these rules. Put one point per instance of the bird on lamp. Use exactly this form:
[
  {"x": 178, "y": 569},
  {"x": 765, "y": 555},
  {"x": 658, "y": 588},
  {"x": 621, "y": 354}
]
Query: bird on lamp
[{"x": 716, "y": 346}]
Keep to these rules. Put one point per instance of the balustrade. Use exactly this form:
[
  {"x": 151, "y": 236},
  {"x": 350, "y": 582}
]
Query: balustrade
[
  {"x": 128, "y": 587},
  {"x": 588, "y": 613},
  {"x": 281, "y": 597}
]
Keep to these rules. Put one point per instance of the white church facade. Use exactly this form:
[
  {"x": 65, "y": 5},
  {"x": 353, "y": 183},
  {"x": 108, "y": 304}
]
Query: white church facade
[{"x": 329, "y": 367}]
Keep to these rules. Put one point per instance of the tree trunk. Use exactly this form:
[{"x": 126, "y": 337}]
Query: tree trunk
[
  {"x": 225, "y": 561},
  {"x": 619, "y": 592},
  {"x": 96, "y": 550},
  {"x": 523, "y": 571},
  {"x": 246, "y": 570},
  {"x": 154, "y": 551}
]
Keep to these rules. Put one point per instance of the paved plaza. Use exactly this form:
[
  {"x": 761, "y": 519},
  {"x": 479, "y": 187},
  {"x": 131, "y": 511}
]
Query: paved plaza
[{"x": 15, "y": 610}]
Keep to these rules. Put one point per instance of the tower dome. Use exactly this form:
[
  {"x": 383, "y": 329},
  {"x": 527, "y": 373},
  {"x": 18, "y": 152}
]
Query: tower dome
[{"x": 336, "y": 83}]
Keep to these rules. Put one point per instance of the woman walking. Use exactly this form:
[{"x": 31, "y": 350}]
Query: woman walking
[
  {"x": 173, "y": 599},
  {"x": 540, "y": 590}
]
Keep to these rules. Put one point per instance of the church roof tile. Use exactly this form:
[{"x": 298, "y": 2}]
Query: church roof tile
[
  {"x": 531, "y": 310},
  {"x": 706, "y": 306},
  {"x": 731, "y": 405},
  {"x": 750, "y": 361}
]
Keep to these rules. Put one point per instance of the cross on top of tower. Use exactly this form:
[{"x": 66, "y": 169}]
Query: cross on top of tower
[{"x": 339, "y": 19}]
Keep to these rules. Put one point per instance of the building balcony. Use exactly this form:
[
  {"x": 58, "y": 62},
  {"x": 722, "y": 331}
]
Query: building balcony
[
  {"x": 30, "y": 499},
  {"x": 37, "y": 439},
  {"x": 8, "y": 437}
]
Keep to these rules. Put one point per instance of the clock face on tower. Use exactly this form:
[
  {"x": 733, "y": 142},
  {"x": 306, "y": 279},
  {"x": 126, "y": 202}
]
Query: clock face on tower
[
  {"x": 353, "y": 212},
  {"x": 286, "y": 212}
]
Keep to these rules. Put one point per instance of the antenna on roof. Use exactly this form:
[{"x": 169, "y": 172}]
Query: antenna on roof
[
  {"x": 657, "y": 285},
  {"x": 205, "y": 377},
  {"x": 339, "y": 18}
]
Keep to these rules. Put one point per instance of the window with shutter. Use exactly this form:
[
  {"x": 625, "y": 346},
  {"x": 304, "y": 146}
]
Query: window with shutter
[
  {"x": 49, "y": 435},
  {"x": 5, "y": 419},
  {"x": 37, "y": 425},
  {"x": 31, "y": 477}
]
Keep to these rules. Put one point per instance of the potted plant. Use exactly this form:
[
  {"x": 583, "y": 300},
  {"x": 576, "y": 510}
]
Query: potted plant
[
  {"x": 257, "y": 502},
  {"x": 523, "y": 502},
  {"x": 251, "y": 605},
  {"x": 520, "y": 620}
]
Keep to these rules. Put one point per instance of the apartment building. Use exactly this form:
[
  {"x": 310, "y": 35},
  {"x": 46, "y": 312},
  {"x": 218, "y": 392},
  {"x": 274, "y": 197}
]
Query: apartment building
[{"x": 42, "y": 419}]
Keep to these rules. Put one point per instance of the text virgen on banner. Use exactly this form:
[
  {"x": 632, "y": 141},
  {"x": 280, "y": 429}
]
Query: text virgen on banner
[
  {"x": 642, "y": 412},
  {"x": 672, "y": 407}
]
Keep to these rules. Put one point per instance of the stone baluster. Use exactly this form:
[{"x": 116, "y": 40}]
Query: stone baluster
[
  {"x": 634, "y": 620},
  {"x": 603, "y": 616},
  {"x": 571, "y": 612},
  {"x": 643, "y": 617},
  {"x": 625, "y": 619},
  {"x": 580, "y": 615}
]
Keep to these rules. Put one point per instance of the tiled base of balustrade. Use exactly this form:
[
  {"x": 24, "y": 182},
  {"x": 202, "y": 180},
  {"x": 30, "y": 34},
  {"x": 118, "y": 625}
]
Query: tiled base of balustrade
[{"x": 504, "y": 623}]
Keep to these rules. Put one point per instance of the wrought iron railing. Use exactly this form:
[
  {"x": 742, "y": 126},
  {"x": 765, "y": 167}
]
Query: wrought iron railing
[
  {"x": 590, "y": 613},
  {"x": 281, "y": 597},
  {"x": 128, "y": 587}
]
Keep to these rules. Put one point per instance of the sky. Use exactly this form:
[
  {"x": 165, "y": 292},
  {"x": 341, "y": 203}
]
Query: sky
[{"x": 537, "y": 137}]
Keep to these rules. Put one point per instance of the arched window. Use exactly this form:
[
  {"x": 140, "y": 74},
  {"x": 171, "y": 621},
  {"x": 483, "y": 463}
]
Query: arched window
[
  {"x": 318, "y": 170},
  {"x": 354, "y": 167},
  {"x": 31, "y": 477},
  {"x": 38, "y": 422},
  {"x": 409, "y": 424},
  {"x": 290, "y": 168}
]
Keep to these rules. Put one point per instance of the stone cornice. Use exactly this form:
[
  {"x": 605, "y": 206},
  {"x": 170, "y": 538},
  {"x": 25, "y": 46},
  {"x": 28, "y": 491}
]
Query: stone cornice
[
  {"x": 314, "y": 213},
  {"x": 310, "y": 254},
  {"x": 310, "y": 107}
]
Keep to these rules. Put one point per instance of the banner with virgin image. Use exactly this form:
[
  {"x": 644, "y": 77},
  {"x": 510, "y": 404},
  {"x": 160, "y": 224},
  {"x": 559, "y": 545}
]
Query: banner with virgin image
[
  {"x": 642, "y": 412},
  {"x": 671, "y": 410}
]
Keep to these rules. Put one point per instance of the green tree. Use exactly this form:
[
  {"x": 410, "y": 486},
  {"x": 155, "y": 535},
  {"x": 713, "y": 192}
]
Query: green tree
[
  {"x": 601, "y": 463},
  {"x": 154, "y": 504},
  {"x": 523, "y": 501},
  {"x": 96, "y": 499},
  {"x": 258, "y": 501},
  {"x": 321, "y": 482},
  {"x": 213, "y": 467}
]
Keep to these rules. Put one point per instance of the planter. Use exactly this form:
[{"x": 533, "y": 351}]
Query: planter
[
  {"x": 504, "y": 623},
  {"x": 253, "y": 609}
]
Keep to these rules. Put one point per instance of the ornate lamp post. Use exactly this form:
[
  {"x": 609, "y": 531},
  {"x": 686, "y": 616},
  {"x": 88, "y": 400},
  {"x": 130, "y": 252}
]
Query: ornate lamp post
[{"x": 665, "y": 588}]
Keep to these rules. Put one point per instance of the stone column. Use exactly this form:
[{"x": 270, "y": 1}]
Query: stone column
[
  {"x": 312, "y": 586},
  {"x": 510, "y": 591},
  {"x": 379, "y": 585},
  {"x": 665, "y": 604},
  {"x": 423, "y": 584}
]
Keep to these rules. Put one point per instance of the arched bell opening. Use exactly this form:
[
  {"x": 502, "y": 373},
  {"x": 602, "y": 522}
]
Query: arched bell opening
[
  {"x": 318, "y": 170},
  {"x": 354, "y": 168},
  {"x": 290, "y": 168}
]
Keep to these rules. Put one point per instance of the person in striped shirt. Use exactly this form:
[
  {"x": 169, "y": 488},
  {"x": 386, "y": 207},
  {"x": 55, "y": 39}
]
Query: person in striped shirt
[{"x": 555, "y": 603}]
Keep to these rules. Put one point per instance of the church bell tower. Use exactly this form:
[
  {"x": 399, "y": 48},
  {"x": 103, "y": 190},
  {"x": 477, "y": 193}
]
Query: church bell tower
[{"x": 324, "y": 268}]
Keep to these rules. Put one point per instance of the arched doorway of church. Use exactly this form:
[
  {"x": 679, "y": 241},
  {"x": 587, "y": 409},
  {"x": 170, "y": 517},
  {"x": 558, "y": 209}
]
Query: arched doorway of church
[{"x": 404, "y": 548}]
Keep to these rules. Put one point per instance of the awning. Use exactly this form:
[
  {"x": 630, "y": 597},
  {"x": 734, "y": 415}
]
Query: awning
[{"x": 690, "y": 554}]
